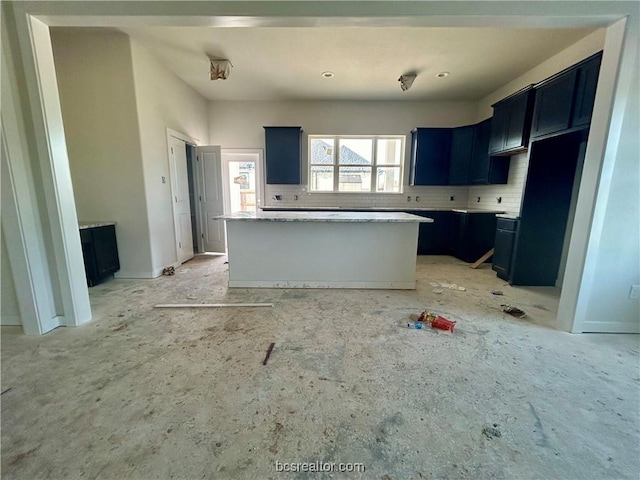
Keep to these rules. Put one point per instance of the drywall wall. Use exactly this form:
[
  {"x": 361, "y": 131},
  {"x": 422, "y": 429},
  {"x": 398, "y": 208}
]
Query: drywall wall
[
  {"x": 240, "y": 125},
  {"x": 163, "y": 101},
  {"x": 592, "y": 43},
  {"x": 95, "y": 83},
  {"x": 617, "y": 247},
  {"x": 9, "y": 311}
]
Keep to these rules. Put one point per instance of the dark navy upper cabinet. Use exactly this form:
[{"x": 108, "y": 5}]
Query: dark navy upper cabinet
[
  {"x": 554, "y": 98},
  {"x": 283, "y": 152},
  {"x": 462, "y": 150},
  {"x": 430, "y": 151},
  {"x": 565, "y": 101},
  {"x": 512, "y": 123},
  {"x": 588, "y": 73},
  {"x": 486, "y": 169}
]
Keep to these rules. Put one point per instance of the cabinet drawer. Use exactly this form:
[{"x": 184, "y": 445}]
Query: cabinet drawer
[{"x": 509, "y": 224}]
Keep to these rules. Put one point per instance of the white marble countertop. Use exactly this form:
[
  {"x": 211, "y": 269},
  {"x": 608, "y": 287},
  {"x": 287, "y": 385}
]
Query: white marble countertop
[
  {"x": 409, "y": 207},
  {"x": 94, "y": 224},
  {"x": 475, "y": 210},
  {"x": 347, "y": 217}
]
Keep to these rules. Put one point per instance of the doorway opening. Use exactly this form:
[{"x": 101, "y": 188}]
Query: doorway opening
[
  {"x": 191, "y": 158},
  {"x": 242, "y": 174}
]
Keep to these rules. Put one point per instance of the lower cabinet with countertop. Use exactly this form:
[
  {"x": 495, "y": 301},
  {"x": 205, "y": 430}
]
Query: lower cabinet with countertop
[
  {"x": 472, "y": 234},
  {"x": 100, "y": 250}
]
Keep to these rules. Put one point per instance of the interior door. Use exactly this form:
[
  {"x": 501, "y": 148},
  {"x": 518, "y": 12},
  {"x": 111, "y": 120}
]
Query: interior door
[
  {"x": 180, "y": 191},
  {"x": 211, "y": 199}
]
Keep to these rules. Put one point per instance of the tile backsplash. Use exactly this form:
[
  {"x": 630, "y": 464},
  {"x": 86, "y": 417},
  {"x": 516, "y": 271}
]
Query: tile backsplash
[
  {"x": 428, "y": 197},
  {"x": 511, "y": 192}
]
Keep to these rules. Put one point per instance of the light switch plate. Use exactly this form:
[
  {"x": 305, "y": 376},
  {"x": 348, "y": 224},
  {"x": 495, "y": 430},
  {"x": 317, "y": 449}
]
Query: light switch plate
[{"x": 634, "y": 292}]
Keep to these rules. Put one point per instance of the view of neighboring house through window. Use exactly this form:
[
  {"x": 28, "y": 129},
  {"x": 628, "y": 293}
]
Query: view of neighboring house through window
[{"x": 355, "y": 164}]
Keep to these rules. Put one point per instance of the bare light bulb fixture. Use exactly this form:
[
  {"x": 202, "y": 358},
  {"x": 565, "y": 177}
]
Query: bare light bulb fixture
[{"x": 406, "y": 81}]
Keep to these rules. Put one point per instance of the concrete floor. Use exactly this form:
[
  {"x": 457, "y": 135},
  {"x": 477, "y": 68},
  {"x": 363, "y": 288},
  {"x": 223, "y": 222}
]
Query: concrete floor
[{"x": 148, "y": 393}]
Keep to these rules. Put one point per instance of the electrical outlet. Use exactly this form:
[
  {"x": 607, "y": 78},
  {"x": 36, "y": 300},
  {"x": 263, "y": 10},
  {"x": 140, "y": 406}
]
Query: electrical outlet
[
  {"x": 164, "y": 180},
  {"x": 499, "y": 199},
  {"x": 452, "y": 198},
  {"x": 634, "y": 293},
  {"x": 408, "y": 198},
  {"x": 417, "y": 198},
  {"x": 295, "y": 197},
  {"x": 478, "y": 200}
]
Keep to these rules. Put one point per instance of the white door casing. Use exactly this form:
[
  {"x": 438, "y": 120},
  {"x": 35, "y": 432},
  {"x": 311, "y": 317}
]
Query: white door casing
[
  {"x": 180, "y": 199},
  {"x": 210, "y": 198}
]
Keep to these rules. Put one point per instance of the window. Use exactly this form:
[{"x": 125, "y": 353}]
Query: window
[{"x": 355, "y": 164}]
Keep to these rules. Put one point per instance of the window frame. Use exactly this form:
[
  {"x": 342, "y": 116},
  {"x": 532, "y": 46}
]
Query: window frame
[{"x": 375, "y": 166}]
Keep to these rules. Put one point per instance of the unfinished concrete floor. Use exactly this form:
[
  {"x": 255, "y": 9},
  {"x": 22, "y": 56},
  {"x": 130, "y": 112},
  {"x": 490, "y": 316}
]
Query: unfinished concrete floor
[{"x": 146, "y": 393}]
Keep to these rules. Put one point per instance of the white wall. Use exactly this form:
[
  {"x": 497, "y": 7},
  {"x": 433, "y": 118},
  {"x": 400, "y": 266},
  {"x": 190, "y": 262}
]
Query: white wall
[
  {"x": 592, "y": 43},
  {"x": 240, "y": 125},
  {"x": 95, "y": 82},
  {"x": 163, "y": 101},
  {"x": 617, "y": 246},
  {"x": 511, "y": 193},
  {"x": 9, "y": 311}
]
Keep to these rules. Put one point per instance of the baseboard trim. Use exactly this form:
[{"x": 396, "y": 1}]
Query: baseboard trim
[
  {"x": 610, "y": 327},
  {"x": 10, "y": 320},
  {"x": 127, "y": 274}
]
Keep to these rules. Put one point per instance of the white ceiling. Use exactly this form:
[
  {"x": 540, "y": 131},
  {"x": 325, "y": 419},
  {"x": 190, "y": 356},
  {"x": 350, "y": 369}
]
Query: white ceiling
[{"x": 277, "y": 63}]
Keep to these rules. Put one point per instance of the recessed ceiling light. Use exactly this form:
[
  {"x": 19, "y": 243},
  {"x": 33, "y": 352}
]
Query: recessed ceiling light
[
  {"x": 328, "y": 75},
  {"x": 443, "y": 74}
]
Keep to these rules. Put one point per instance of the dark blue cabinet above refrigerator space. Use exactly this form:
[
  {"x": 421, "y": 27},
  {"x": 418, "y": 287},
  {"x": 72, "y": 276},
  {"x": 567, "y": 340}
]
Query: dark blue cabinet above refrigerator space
[{"x": 564, "y": 102}]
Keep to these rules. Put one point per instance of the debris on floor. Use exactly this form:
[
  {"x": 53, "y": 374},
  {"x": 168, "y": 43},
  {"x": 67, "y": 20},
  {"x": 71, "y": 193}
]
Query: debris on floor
[
  {"x": 453, "y": 286},
  {"x": 491, "y": 432},
  {"x": 211, "y": 305},
  {"x": 191, "y": 297},
  {"x": 269, "y": 350},
  {"x": 433, "y": 284},
  {"x": 513, "y": 311},
  {"x": 541, "y": 307},
  {"x": 437, "y": 290},
  {"x": 169, "y": 271},
  {"x": 496, "y": 292},
  {"x": 436, "y": 321},
  {"x": 5, "y": 391}
]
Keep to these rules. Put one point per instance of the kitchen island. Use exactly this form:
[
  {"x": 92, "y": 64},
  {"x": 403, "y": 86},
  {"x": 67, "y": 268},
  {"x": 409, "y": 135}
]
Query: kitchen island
[{"x": 323, "y": 249}]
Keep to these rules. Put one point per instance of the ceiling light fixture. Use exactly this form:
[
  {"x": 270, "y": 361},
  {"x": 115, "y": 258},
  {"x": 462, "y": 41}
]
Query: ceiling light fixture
[
  {"x": 443, "y": 74},
  {"x": 220, "y": 68},
  {"x": 328, "y": 75},
  {"x": 406, "y": 81}
]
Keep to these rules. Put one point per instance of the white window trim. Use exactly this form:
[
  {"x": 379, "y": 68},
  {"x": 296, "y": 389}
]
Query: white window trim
[{"x": 374, "y": 165}]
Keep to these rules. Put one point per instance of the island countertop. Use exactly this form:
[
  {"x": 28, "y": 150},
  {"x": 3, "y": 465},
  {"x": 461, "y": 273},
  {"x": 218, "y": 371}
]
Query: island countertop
[
  {"x": 94, "y": 224},
  {"x": 333, "y": 217}
]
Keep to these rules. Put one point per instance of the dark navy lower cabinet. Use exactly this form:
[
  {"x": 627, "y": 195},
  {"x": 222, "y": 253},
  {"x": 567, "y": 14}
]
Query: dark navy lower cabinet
[
  {"x": 100, "y": 252},
  {"x": 506, "y": 229}
]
